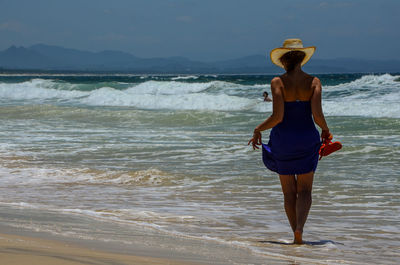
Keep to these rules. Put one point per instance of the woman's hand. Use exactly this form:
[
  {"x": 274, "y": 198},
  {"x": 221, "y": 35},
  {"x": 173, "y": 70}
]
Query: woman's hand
[
  {"x": 256, "y": 140},
  {"x": 326, "y": 136}
]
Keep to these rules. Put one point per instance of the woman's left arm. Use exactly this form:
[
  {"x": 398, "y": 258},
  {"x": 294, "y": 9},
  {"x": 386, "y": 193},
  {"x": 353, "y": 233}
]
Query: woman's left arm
[{"x": 276, "y": 116}]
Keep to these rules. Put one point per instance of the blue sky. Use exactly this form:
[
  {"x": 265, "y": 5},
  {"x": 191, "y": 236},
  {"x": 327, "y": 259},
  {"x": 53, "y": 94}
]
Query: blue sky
[{"x": 205, "y": 29}]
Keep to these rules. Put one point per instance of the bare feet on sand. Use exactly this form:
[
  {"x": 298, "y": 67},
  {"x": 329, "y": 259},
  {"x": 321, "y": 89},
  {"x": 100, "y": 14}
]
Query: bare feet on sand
[{"x": 298, "y": 237}]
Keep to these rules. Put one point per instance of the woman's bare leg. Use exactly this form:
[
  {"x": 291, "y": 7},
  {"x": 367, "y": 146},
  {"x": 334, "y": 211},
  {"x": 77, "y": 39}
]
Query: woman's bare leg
[
  {"x": 289, "y": 189},
  {"x": 303, "y": 203}
]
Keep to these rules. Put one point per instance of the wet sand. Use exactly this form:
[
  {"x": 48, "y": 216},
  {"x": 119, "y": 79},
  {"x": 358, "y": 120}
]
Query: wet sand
[{"x": 16, "y": 249}]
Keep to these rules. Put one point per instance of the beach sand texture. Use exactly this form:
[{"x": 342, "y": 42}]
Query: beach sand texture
[{"x": 15, "y": 249}]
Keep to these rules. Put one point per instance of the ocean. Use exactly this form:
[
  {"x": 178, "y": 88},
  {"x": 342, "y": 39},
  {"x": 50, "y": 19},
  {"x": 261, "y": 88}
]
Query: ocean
[{"x": 169, "y": 154}]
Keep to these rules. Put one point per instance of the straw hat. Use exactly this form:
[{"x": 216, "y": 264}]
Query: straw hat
[{"x": 291, "y": 45}]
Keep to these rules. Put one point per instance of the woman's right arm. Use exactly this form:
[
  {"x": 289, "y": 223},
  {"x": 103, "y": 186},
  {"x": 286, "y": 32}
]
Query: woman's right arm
[
  {"x": 277, "y": 112},
  {"x": 316, "y": 106}
]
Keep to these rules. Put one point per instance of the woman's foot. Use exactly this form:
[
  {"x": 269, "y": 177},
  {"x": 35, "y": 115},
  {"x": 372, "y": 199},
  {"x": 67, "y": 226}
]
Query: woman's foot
[{"x": 298, "y": 237}]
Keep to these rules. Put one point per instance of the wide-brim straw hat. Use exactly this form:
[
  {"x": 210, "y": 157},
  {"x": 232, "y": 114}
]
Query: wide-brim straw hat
[{"x": 291, "y": 45}]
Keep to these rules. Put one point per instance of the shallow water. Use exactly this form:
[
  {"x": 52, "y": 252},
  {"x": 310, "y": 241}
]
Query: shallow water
[{"x": 171, "y": 154}]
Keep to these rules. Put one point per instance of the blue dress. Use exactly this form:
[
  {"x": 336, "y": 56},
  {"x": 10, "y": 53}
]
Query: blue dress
[{"x": 294, "y": 143}]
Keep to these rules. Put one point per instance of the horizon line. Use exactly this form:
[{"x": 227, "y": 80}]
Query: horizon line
[{"x": 191, "y": 59}]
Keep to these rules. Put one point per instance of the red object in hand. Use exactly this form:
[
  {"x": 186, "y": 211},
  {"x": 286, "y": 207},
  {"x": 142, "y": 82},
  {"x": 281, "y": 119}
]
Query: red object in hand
[
  {"x": 327, "y": 146},
  {"x": 326, "y": 135}
]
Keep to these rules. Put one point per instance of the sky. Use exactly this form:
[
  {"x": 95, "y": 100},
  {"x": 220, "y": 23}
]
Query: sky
[{"x": 205, "y": 30}]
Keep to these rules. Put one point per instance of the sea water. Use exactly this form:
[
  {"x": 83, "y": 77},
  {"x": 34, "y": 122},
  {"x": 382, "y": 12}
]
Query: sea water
[{"x": 169, "y": 153}]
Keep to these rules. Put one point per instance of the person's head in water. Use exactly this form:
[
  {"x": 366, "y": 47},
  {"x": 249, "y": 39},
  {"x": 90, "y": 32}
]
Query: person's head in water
[
  {"x": 291, "y": 59},
  {"x": 265, "y": 95}
]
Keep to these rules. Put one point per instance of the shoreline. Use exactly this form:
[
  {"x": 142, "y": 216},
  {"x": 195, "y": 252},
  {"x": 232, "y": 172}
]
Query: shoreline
[
  {"x": 16, "y": 249},
  {"x": 56, "y": 237}
]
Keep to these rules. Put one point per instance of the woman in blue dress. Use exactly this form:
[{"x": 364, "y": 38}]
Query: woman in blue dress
[{"x": 294, "y": 142}]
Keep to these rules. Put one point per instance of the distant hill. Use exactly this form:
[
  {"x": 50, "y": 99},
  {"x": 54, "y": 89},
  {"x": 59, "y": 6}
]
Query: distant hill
[{"x": 41, "y": 57}]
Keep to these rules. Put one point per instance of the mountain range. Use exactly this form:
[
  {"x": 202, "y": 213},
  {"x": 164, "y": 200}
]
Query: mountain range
[{"x": 48, "y": 58}]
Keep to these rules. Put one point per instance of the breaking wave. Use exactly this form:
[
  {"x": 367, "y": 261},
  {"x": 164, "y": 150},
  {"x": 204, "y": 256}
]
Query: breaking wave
[{"x": 370, "y": 95}]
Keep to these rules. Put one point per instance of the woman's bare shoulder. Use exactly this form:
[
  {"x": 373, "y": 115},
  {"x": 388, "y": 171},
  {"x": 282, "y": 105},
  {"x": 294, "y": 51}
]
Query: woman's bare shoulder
[
  {"x": 276, "y": 81},
  {"x": 276, "y": 86},
  {"x": 316, "y": 82}
]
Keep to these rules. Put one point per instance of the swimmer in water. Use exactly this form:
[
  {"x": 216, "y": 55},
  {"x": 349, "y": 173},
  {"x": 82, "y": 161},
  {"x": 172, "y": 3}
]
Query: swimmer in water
[{"x": 266, "y": 98}]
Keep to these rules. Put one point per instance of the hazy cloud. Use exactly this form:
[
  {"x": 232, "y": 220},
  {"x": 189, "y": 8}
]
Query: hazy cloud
[
  {"x": 111, "y": 37},
  {"x": 13, "y": 26},
  {"x": 335, "y": 4},
  {"x": 186, "y": 19}
]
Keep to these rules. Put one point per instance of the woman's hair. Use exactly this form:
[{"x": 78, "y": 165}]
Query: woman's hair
[{"x": 291, "y": 59}]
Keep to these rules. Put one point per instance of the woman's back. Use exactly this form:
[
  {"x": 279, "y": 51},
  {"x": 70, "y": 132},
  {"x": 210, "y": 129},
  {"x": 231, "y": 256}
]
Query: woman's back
[
  {"x": 297, "y": 87},
  {"x": 294, "y": 142}
]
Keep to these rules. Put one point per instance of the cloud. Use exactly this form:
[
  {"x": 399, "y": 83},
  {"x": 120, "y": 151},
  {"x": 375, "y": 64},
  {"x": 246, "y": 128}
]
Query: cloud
[
  {"x": 337, "y": 4},
  {"x": 13, "y": 26},
  {"x": 323, "y": 4},
  {"x": 186, "y": 19},
  {"x": 111, "y": 37}
]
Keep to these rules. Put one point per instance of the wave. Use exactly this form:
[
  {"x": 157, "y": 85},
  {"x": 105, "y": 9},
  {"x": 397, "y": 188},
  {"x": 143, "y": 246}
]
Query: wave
[
  {"x": 368, "y": 81},
  {"x": 32, "y": 176},
  {"x": 38, "y": 89},
  {"x": 194, "y": 101},
  {"x": 147, "y": 95},
  {"x": 370, "y": 95},
  {"x": 185, "y": 77},
  {"x": 172, "y": 87}
]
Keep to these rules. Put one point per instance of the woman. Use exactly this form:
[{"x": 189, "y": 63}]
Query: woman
[{"x": 292, "y": 150}]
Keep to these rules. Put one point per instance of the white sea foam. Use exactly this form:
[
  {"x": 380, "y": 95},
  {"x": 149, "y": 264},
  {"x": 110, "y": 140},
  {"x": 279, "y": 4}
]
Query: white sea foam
[
  {"x": 171, "y": 87},
  {"x": 37, "y": 89},
  {"x": 185, "y": 77},
  {"x": 370, "y": 96},
  {"x": 36, "y": 175},
  {"x": 198, "y": 101},
  {"x": 369, "y": 81}
]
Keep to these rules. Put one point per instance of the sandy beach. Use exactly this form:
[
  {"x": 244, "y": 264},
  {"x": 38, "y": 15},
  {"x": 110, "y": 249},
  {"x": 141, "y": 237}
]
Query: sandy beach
[
  {"x": 33, "y": 236},
  {"x": 16, "y": 249}
]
